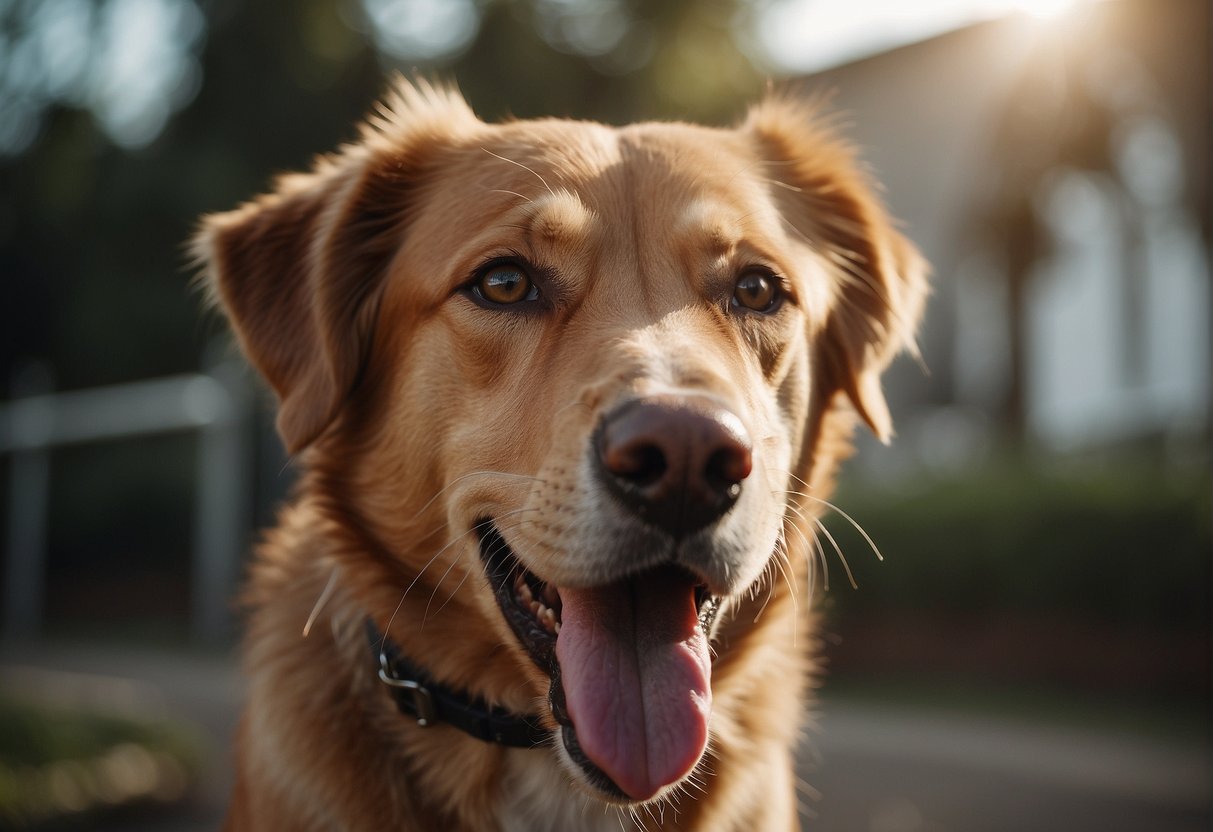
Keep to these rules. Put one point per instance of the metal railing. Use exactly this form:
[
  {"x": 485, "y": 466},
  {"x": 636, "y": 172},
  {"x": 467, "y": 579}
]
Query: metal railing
[{"x": 217, "y": 405}]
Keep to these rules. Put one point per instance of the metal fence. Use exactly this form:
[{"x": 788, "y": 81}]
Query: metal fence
[{"x": 217, "y": 405}]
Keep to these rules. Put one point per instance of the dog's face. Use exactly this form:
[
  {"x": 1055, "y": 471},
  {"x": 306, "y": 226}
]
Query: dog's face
[{"x": 567, "y": 377}]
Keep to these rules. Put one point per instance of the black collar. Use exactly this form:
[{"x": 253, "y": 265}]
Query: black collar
[{"x": 429, "y": 703}]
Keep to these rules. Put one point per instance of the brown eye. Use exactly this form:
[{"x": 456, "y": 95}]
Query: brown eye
[
  {"x": 504, "y": 285},
  {"x": 757, "y": 291}
]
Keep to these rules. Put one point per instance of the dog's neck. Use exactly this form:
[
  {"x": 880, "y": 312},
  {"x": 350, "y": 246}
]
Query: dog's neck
[
  {"x": 445, "y": 778},
  {"x": 419, "y": 697},
  {"x": 528, "y": 803}
]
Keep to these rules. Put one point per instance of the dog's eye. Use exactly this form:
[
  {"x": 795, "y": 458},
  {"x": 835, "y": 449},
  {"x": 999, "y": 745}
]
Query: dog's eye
[
  {"x": 504, "y": 285},
  {"x": 758, "y": 291}
]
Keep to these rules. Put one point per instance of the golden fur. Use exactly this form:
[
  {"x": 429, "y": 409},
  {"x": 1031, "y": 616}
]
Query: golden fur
[{"x": 414, "y": 413}]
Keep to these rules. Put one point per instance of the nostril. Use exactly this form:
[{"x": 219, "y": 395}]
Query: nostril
[
  {"x": 641, "y": 463},
  {"x": 727, "y": 467}
]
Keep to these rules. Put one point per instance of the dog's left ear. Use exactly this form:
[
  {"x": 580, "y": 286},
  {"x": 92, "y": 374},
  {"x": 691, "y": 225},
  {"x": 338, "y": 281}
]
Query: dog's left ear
[{"x": 880, "y": 280}]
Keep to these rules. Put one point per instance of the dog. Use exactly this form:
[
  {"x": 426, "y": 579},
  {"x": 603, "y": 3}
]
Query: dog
[{"x": 566, "y": 400}]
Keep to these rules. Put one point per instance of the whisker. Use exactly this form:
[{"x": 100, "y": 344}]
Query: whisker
[
  {"x": 506, "y": 529},
  {"x": 572, "y": 404},
  {"x": 818, "y": 522},
  {"x": 852, "y": 520},
  {"x": 695, "y": 782},
  {"x": 422, "y": 571},
  {"x": 806, "y": 551},
  {"x": 813, "y": 546},
  {"x": 463, "y": 477},
  {"x": 781, "y": 558},
  {"x": 867, "y": 538},
  {"x": 809, "y": 518},
  {"x": 325, "y": 594},
  {"x": 454, "y": 592},
  {"x": 439, "y": 554},
  {"x": 778, "y": 184},
  {"x": 462, "y": 581},
  {"x": 426, "y": 615},
  {"x": 524, "y": 167},
  {"x": 841, "y": 557},
  {"x": 786, "y": 553},
  {"x": 770, "y": 591},
  {"x": 511, "y": 193}
]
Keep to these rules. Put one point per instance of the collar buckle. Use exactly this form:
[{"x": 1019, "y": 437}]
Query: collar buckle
[
  {"x": 430, "y": 703},
  {"x": 419, "y": 695}
]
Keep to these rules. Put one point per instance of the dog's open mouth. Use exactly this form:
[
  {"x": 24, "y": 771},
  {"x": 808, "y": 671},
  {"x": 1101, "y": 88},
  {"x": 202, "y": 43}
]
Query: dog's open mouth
[{"x": 629, "y": 663}]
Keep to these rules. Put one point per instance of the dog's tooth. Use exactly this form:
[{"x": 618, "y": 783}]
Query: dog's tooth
[
  {"x": 556, "y": 627},
  {"x": 524, "y": 592},
  {"x": 535, "y": 607}
]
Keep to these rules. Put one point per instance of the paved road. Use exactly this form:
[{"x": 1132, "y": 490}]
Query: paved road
[
  {"x": 865, "y": 769},
  {"x": 910, "y": 771}
]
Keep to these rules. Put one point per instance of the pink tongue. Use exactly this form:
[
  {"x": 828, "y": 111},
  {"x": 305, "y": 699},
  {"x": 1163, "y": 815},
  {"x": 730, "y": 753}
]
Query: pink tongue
[{"x": 637, "y": 678}]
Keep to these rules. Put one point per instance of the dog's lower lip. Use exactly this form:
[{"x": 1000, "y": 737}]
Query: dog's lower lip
[
  {"x": 506, "y": 573},
  {"x": 530, "y": 606}
]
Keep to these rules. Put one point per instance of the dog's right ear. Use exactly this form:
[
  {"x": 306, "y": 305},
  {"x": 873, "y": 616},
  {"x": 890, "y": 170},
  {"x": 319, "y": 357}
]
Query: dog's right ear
[{"x": 298, "y": 271}]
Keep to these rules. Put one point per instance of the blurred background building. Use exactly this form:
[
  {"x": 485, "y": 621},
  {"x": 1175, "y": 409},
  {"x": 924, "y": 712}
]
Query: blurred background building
[{"x": 1044, "y": 513}]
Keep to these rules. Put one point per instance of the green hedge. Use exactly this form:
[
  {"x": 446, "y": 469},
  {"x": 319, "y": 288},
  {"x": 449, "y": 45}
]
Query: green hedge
[
  {"x": 59, "y": 766},
  {"x": 1124, "y": 544}
]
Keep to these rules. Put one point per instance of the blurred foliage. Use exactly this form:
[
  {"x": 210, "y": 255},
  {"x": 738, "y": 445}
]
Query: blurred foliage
[
  {"x": 1123, "y": 544},
  {"x": 33, "y": 734},
  {"x": 60, "y": 764},
  {"x": 93, "y": 219}
]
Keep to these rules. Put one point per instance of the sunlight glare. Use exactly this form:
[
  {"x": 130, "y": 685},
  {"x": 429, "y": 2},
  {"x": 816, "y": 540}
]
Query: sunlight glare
[
  {"x": 1044, "y": 8},
  {"x": 811, "y": 35}
]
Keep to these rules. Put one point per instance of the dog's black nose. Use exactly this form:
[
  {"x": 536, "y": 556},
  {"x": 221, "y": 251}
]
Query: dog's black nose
[{"x": 675, "y": 461}]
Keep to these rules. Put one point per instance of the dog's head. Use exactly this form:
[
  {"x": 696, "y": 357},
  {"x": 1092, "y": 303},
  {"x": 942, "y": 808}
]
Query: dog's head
[{"x": 567, "y": 377}]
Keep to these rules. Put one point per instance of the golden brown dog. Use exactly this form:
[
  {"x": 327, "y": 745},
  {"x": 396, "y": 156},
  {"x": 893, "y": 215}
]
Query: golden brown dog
[{"x": 565, "y": 399}]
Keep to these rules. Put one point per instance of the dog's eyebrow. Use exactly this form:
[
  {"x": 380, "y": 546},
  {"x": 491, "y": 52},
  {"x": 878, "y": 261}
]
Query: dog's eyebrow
[
  {"x": 712, "y": 223},
  {"x": 560, "y": 218},
  {"x": 543, "y": 226}
]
